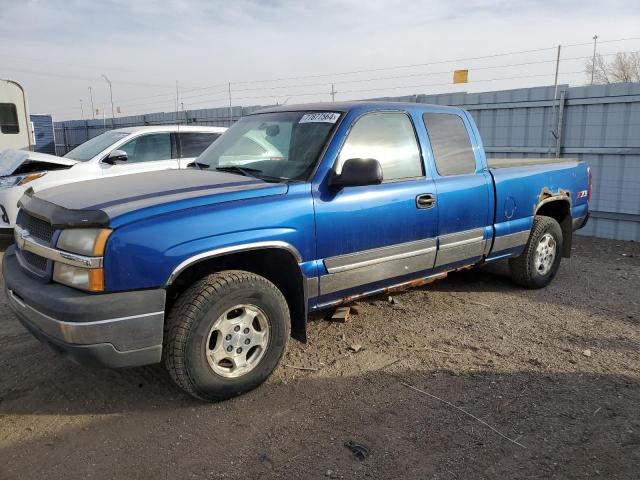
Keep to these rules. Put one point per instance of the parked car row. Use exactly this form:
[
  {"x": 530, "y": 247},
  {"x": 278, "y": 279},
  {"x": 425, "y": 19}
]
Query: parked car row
[
  {"x": 212, "y": 267},
  {"x": 116, "y": 152}
]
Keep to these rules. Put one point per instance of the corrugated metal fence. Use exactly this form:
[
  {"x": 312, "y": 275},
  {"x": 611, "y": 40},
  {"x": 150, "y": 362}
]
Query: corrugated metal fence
[
  {"x": 72, "y": 133},
  {"x": 599, "y": 124},
  {"x": 43, "y": 134}
]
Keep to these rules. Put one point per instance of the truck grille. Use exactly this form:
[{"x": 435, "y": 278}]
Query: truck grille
[
  {"x": 35, "y": 261},
  {"x": 40, "y": 229}
]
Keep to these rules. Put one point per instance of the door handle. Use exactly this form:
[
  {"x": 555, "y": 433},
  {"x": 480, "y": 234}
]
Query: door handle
[{"x": 426, "y": 200}]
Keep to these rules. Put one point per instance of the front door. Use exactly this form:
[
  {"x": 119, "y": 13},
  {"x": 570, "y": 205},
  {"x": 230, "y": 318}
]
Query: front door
[
  {"x": 373, "y": 236},
  {"x": 146, "y": 153}
]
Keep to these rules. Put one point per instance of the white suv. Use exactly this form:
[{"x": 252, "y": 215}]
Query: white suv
[{"x": 115, "y": 152}]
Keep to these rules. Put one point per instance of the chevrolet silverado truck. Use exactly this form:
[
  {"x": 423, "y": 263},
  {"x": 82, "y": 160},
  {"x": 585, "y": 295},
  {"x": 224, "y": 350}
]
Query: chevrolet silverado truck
[{"x": 294, "y": 209}]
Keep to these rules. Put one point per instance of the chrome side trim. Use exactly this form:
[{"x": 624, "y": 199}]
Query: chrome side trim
[
  {"x": 233, "y": 249},
  {"x": 381, "y": 269},
  {"x": 312, "y": 287},
  {"x": 456, "y": 247},
  {"x": 512, "y": 240},
  {"x": 452, "y": 240},
  {"x": 124, "y": 333},
  {"x": 27, "y": 243},
  {"x": 365, "y": 258},
  {"x": 487, "y": 247}
]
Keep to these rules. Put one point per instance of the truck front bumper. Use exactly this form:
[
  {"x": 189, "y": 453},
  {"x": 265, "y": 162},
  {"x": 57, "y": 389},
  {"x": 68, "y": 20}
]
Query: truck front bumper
[{"x": 122, "y": 329}]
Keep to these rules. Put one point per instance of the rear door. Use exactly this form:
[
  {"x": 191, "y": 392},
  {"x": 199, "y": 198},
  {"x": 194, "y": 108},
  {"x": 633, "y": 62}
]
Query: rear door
[
  {"x": 192, "y": 144},
  {"x": 147, "y": 152},
  {"x": 464, "y": 191},
  {"x": 378, "y": 235}
]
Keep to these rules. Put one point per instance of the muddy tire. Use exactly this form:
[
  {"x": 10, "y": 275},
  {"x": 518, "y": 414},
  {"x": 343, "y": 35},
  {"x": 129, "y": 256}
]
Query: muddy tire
[
  {"x": 226, "y": 334},
  {"x": 540, "y": 260}
]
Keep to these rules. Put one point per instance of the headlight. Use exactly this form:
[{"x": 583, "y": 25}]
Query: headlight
[
  {"x": 83, "y": 241},
  {"x": 7, "y": 182},
  {"x": 90, "y": 279}
]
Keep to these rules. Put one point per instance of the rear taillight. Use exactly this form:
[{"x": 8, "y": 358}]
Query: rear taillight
[{"x": 590, "y": 182}]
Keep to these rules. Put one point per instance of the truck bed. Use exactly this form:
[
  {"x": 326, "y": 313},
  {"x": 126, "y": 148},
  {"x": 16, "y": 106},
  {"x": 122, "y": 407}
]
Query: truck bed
[{"x": 521, "y": 184}]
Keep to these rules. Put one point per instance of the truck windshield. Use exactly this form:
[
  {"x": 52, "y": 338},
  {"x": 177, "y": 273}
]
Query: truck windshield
[
  {"x": 89, "y": 149},
  {"x": 283, "y": 145}
]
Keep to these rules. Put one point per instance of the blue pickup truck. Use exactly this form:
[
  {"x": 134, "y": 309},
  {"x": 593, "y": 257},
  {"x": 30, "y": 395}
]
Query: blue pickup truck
[{"x": 211, "y": 269}]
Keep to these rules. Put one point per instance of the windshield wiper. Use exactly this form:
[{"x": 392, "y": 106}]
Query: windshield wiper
[
  {"x": 198, "y": 164},
  {"x": 247, "y": 172}
]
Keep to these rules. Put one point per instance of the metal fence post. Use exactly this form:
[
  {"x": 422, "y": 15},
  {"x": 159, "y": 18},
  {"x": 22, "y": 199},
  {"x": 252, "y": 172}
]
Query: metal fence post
[
  {"x": 64, "y": 137},
  {"x": 559, "y": 125}
]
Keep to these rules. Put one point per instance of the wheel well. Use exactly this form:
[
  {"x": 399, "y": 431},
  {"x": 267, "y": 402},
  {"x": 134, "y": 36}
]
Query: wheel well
[
  {"x": 560, "y": 211},
  {"x": 275, "y": 264}
]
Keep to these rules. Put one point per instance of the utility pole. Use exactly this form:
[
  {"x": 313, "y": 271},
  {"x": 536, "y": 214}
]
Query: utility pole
[
  {"x": 113, "y": 114},
  {"x": 593, "y": 61},
  {"x": 557, "y": 69},
  {"x": 93, "y": 111},
  {"x": 333, "y": 94},
  {"x": 81, "y": 110},
  {"x": 230, "y": 108},
  {"x": 177, "y": 102}
]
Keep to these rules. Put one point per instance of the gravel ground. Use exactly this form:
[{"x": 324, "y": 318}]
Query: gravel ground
[{"x": 556, "y": 373}]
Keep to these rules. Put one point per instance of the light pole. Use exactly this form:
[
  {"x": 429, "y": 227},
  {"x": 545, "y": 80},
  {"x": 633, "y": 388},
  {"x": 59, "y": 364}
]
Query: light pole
[
  {"x": 93, "y": 111},
  {"x": 81, "y": 110},
  {"x": 113, "y": 114},
  {"x": 593, "y": 61}
]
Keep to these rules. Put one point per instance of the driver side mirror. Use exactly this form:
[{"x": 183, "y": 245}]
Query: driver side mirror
[
  {"x": 357, "y": 172},
  {"x": 116, "y": 156}
]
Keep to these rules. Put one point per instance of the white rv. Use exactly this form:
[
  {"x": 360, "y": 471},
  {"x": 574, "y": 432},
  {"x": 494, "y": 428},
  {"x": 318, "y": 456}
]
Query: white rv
[{"x": 15, "y": 127}]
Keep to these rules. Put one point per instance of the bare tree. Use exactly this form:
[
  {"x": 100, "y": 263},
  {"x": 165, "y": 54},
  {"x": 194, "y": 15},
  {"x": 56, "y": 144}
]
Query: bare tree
[{"x": 625, "y": 67}]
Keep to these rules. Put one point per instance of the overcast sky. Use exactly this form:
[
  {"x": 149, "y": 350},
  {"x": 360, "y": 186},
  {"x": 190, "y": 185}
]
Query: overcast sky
[{"x": 59, "y": 48}]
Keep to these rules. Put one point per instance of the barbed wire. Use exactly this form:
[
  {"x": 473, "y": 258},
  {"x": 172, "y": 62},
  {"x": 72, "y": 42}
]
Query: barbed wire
[{"x": 292, "y": 90}]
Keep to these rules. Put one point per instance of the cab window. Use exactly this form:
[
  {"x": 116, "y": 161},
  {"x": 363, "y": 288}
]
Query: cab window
[
  {"x": 193, "y": 144},
  {"x": 148, "y": 148},
  {"x": 450, "y": 144},
  {"x": 388, "y": 138}
]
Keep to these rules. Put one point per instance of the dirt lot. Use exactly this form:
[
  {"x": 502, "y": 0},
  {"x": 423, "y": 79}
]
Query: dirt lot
[{"x": 555, "y": 370}]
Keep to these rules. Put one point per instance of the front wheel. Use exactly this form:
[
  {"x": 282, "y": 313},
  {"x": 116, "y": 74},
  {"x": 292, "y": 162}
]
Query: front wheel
[
  {"x": 226, "y": 334},
  {"x": 540, "y": 260}
]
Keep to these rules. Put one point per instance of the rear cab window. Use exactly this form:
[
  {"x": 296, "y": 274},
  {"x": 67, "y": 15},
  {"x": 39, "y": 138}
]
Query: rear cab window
[
  {"x": 193, "y": 144},
  {"x": 9, "y": 118},
  {"x": 389, "y": 138},
  {"x": 450, "y": 143}
]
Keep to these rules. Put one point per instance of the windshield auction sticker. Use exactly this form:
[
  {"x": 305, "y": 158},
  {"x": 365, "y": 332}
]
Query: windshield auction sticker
[{"x": 325, "y": 117}]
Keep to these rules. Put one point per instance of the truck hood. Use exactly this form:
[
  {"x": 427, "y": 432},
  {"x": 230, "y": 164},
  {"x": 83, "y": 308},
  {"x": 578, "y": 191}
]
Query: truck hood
[
  {"x": 145, "y": 194},
  {"x": 14, "y": 162}
]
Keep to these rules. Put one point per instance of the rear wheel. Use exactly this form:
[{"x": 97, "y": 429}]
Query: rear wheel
[
  {"x": 540, "y": 260},
  {"x": 226, "y": 334}
]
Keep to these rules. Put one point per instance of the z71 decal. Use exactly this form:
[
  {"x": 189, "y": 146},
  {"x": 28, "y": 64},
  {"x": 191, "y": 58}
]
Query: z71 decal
[{"x": 582, "y": 193}]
